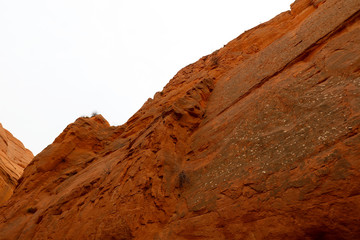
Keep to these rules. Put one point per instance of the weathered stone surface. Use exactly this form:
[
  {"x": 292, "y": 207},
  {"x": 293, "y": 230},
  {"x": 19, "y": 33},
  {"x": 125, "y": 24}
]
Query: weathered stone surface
[
  {"x": 259, "y": 140},
  {"x": 14, "y": 157}
]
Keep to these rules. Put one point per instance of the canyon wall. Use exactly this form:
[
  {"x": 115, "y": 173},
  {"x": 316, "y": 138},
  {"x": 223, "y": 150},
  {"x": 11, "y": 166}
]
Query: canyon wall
[
  {"x": 14, "y": 157},
  {"x": 258, "y": 140}
]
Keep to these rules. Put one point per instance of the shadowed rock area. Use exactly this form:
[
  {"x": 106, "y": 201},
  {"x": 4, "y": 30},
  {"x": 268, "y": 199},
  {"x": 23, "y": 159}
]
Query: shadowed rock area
[
  {"x": 259, "y": 140},
  {"x": 14, "y": 157}
]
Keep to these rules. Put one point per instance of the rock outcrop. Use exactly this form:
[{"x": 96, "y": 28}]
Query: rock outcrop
[
  {"x": 14, "y": 157},
  {"x": 259, "y": 140}
]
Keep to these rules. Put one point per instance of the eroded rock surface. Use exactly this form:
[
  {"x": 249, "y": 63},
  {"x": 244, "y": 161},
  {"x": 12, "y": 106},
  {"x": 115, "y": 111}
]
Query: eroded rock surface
[
  {"x": 259, "y": 140},
  {"x": 14, "y": 157}
]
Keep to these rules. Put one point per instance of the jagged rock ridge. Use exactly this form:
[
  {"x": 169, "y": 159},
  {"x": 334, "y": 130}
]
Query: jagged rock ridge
[
  {"x": 14, "y": 157},
  {"x": 259, "y": 140}
]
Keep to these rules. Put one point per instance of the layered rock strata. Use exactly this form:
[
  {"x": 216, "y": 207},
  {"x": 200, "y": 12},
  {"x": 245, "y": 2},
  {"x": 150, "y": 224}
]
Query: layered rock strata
[
  {"x": 259, "y": 140},
  {"x": 14, "y": 157}
]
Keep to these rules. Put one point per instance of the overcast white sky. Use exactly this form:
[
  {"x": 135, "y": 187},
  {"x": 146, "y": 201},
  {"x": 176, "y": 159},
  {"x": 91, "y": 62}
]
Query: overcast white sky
[{"x": 62, "y": 59}]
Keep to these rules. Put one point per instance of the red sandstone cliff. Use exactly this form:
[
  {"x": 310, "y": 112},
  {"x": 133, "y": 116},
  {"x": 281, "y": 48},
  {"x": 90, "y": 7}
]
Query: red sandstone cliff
[
  {"x": 259, "y": 140},
  {"x": 14, "y": 157}
]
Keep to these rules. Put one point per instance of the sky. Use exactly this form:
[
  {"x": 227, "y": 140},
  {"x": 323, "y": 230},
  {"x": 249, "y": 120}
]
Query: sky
[{"x": 62, "y": 59}]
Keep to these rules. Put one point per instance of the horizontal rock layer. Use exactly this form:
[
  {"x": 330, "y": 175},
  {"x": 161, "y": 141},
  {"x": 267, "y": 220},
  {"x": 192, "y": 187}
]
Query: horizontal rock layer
[{"x": 14, "y": 157}]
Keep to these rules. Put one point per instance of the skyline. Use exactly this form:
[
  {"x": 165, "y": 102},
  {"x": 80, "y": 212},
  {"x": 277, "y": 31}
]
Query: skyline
[{"x": 63, "y": 60}]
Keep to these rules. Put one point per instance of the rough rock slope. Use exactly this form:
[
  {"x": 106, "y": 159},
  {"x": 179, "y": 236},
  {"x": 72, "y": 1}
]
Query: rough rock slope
[
  {"x": 14, "y": 157},
  {"x": 259, "y": 140}
]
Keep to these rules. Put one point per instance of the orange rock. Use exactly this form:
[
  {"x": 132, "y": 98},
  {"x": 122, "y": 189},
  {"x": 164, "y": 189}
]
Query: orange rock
[
  {"x": 259, "y": 140},
  {"x": 14, "y": 157}
]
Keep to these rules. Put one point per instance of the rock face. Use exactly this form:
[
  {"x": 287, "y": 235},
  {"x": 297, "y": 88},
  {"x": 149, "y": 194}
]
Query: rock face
[
  {"x": 259, "y": 140},
  {"x": 14, "y": 157}
]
